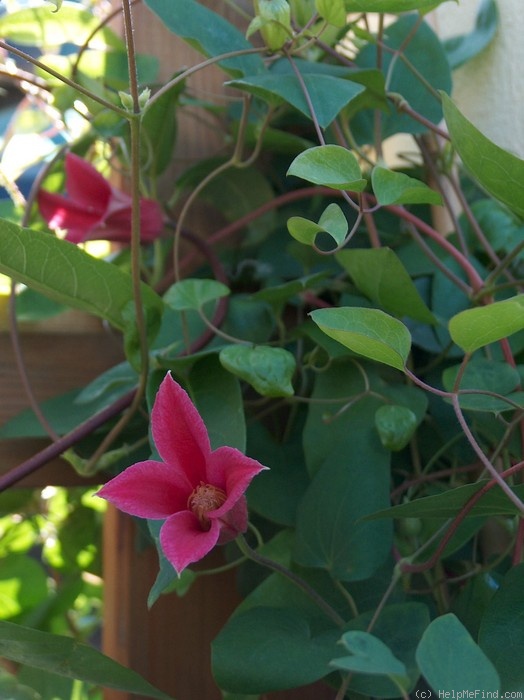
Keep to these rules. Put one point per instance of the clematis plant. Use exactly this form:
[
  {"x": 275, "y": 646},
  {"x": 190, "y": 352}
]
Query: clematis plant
[
  {"x": 96, "y": 210},
  {"x": 198, "y": 491}
]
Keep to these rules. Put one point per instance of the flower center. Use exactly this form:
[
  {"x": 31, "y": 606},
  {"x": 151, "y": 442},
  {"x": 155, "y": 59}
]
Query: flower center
[{"x": 203, "y": 499}]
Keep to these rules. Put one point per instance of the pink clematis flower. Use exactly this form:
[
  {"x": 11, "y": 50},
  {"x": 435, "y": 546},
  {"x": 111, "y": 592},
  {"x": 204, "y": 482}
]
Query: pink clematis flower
[
  {"x": 94, "y": 209},
  {"x": 198, "y": 491}
]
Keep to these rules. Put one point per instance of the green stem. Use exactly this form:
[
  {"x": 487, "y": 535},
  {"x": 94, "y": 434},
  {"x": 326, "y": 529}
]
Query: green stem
[
  {"x": 499, "y": 479},
  {"x": 291, "y": 576}
]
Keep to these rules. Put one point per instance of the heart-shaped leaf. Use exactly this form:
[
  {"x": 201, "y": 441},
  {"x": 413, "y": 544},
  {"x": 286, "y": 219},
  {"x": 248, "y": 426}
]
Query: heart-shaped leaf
[
  {"x": 267, "y": 649},
  {"x": 369, "y": 655},
  {"x": 192, "y": 294},
  {"x": 268, "y": 370},
  {"x": 332, "y": 221}
]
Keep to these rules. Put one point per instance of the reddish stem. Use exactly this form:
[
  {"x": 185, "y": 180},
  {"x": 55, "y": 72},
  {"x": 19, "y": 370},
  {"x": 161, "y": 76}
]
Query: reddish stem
[{"x": 406, "y": 567}]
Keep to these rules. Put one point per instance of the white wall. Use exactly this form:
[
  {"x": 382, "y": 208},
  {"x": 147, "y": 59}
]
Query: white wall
[{"x": 489, "y": 90}]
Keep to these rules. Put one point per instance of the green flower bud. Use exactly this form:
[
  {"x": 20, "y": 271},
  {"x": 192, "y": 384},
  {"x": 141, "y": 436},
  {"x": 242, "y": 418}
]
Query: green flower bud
[{"x": 273, "y": 20}]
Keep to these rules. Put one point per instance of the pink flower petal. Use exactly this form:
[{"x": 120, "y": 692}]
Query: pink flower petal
[
  {"x": 179, "y": 432},
  {"x": 148, "y": 490},
  {"x": 61, "y": 212},
  {"x": 183, "y": 541},
  {"x": 231, "y": 471},
  {"x": 232, "y": 523},
  {"x": 85, "y": 185},
  {"x": 151, "y": 220}
]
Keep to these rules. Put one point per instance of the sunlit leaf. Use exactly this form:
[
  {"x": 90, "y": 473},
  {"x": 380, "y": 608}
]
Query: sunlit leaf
[
  {"x": 390, "y": 5},
  {"x": 501, "y": 173},
  {"x": 368, "y": 332},
  {"x": 392, "y": 187},
  {"x": 41, "y": 26},
  {"x": 332, "y": 221},
  {"x": 331, "y": 165},
  {"x": 333, "y": 11},
  {"x": 474, "y": 328},
  {"x": 68, "y": 275}
]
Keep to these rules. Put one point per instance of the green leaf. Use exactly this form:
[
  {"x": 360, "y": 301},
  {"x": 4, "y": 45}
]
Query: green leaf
[
  {"x": 391, "y": 187},
  {"x": 167, "y": 580},
  {"x": 68, "y": 275},
  {"x": 329, "y": 93},
  {"x": 333, "y": 11},
  {"x": 218, "y": 397},
  {"x": 483, "y": 375},
  {"x": 332, "y": 428},
  {"x": 500, "y": 173},
  {"x": 449, "y": 659},
  {"x": 269, "y": 370},
  {"x": 390, "y": 5},
  {"x": 382, "y": 277},
  {"x": 332, "y": 221},
  {"x": 208, "y": 33},
  {"x": 192, "y": 294},
  {"x": 424, "y": 64},
  {"x": 277, "y": 491},
  {"x": 330, "y": 532},
  {"x": 474, "y": 328},
  {"x": 267, "y": 649},
  {"x": 368, "y": 332},
  {"x": 62, "y": 412},
  {"x": 395, "y": 425},
  {"x": 12, "y": 689},
  {"x": 369, "y": 655},
  {"x": 23, "y": 584},
  {"x": 501, "y": 634},
  {"x": 159, "y": 129},
  {"x": 449, "y": 503},
  {"x": 109, "y": 385},
  {"x": 332, "y": 166},
  {"x": 66, "y": 657},
  {"x": 399, "y": 627},
  {"x": 461, "y": 49},
  {"x": 40, "y": 26},
  {"x": 283, "y": 292}
]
